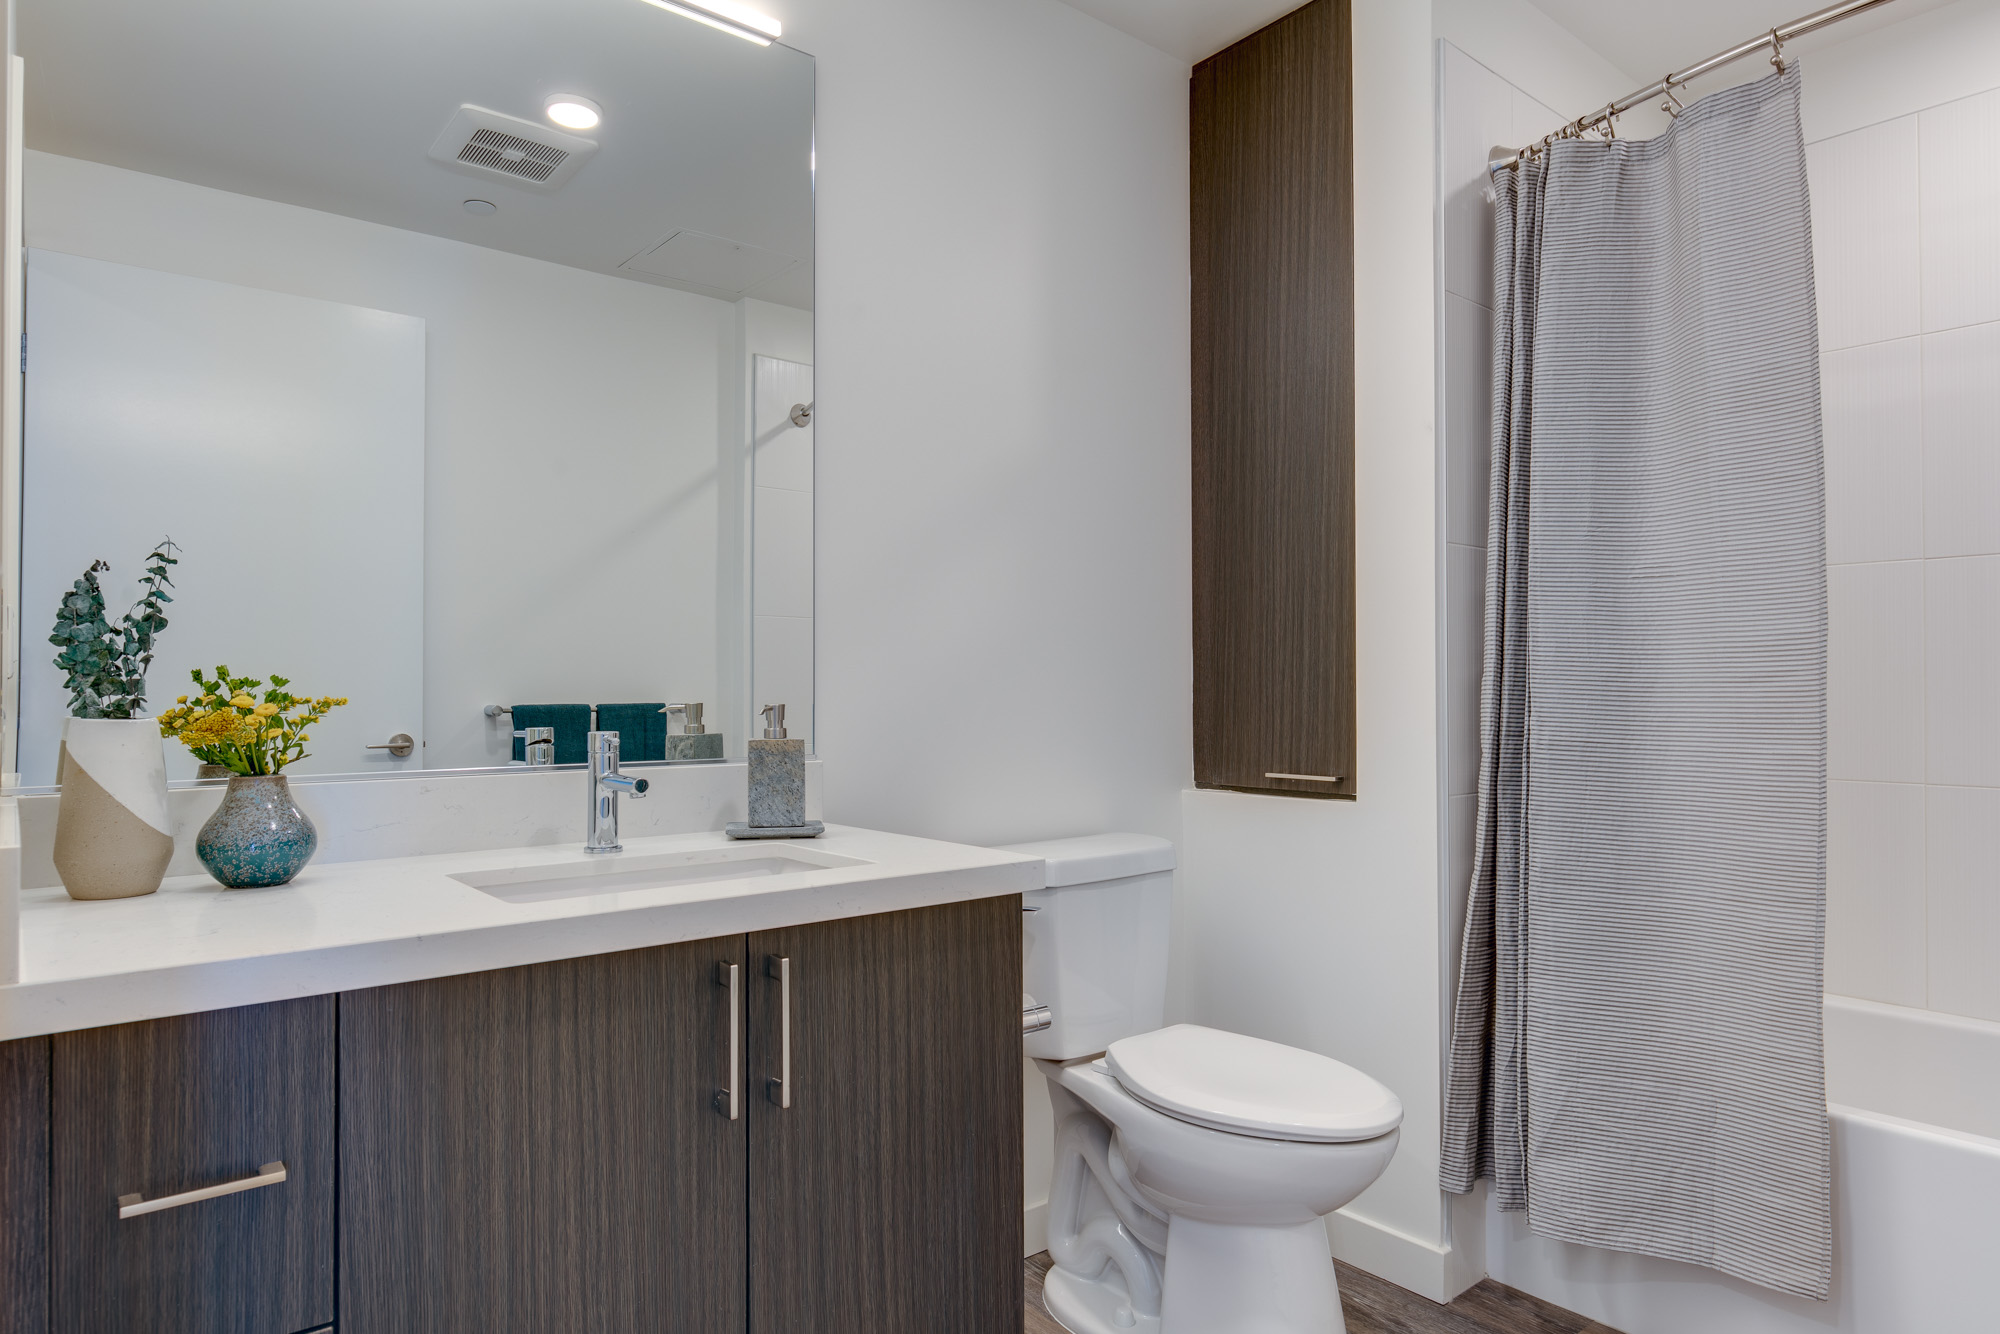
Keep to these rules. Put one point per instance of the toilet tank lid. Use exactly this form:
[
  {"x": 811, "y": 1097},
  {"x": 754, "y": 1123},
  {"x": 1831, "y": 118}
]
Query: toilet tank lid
[{"x": 1083, "y": 861}]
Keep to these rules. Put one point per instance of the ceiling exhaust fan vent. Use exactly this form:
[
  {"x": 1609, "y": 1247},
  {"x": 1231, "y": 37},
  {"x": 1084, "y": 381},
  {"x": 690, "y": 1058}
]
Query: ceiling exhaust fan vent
[
  {"x": 486, "y": 143},
  {"x": 520, "y": 157}
]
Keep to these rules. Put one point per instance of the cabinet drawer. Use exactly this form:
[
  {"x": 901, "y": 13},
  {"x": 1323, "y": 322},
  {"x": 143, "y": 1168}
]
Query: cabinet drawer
[{"x": 191, "y": 1181}]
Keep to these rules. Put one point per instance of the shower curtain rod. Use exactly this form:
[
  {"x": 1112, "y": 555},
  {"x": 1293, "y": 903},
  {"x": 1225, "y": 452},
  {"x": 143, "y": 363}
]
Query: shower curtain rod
[{"x": 1775, "y": 39}]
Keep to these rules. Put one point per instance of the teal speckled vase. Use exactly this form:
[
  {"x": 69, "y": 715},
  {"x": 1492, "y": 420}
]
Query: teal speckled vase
[{"x": 258, "y": 837}]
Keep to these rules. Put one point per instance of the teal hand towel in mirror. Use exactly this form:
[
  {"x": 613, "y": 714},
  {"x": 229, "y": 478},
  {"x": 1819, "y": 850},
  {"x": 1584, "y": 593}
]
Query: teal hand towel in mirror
[
  {"x": 641, "y": 729},
  {"x": 572, "y": 724}
]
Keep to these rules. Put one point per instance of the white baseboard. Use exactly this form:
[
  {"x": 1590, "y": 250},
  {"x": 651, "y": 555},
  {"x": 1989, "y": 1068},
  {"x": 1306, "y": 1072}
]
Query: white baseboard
[
  {"x": 1437, "y": 1272},
  {"x": 1035, "y": 1229}
]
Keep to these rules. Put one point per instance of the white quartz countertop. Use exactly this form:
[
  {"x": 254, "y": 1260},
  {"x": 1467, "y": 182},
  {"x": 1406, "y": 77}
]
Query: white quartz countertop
[{"x": 342, "y": 925}]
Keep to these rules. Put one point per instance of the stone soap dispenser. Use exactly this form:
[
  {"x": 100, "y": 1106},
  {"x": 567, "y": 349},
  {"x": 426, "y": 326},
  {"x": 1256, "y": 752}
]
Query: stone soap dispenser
[{"x": 777, "y": 784}]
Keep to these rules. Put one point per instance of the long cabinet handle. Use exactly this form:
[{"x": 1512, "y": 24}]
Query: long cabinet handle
[
  {"x": 131, "y": 1206},
  {"x": 727, "y": 1100},
  {"x": 780, "y": 1089}
]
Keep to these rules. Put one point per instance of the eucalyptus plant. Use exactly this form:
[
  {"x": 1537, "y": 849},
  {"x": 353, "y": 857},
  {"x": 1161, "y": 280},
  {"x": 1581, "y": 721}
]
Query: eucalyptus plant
[{"x": 105, "y": 663}]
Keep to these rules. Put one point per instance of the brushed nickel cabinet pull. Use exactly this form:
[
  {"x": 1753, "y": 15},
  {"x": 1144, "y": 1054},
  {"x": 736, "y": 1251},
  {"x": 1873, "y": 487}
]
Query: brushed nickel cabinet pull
[
  {"x": 726, "y": 1098},
  {"x": 780, "y": 1089},
  {"x": 1308, "y": 778},
  {"x": 131, "y": 1206}
]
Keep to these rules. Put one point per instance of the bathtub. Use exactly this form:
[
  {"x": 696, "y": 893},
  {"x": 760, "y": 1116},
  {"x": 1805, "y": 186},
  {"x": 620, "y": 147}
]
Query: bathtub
[{"x": 1914, "y": 1098}]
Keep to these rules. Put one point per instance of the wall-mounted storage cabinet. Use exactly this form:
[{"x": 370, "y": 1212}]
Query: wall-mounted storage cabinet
[
  {"x": 549, "y": 1147},
  {"x": 1271, "y": 145}
]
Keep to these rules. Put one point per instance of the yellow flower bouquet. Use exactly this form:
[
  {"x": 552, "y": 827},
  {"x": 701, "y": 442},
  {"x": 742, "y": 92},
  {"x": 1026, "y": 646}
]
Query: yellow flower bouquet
[{"x": 223, "y": 722}]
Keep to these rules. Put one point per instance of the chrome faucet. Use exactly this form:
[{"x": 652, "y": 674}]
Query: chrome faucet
[{"x": 601, "y": 831}]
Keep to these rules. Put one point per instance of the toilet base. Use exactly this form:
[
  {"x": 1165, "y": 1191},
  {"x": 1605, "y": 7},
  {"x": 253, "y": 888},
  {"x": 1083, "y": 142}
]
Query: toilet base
[
  {"x": 1249, "y": 1280},
  {"x": 1086, "y": 1306}
]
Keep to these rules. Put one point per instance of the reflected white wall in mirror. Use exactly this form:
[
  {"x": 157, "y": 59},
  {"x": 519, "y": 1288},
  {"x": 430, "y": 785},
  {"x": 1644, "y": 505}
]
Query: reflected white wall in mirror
[
  {"x": 589, "y": 490},
  {"x": 782, "y": 545},
  {"x": 285, "y": 436}
]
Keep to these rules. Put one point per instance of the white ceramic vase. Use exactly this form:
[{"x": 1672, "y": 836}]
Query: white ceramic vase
[{"x": 113, "y": 837}]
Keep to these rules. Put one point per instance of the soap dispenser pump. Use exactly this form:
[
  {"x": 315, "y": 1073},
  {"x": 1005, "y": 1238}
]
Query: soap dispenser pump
[
  {"x": 777, "y": 784},
  {"x": 693, "y": 741}
]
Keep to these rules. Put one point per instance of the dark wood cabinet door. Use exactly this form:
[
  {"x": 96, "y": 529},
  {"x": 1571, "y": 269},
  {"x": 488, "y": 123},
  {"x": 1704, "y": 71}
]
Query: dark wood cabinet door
[
  {"x": 24, "y": 1186},
  {"x": 177, "y": 1105},
  {"x": 1271, "y": 181},
  {"x": 886, "y": 1199},
  {"x": 538, "y": 1150}
]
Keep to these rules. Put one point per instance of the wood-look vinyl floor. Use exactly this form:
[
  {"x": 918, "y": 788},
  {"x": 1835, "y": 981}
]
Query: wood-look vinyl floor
[{"x": 1375, "y": 1306}]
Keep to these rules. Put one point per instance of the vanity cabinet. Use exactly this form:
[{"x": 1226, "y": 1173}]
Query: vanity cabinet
[
  {"x": 145, "y": 1121},
  {"x": 538, "y": 1149},
  {"x": 885, "y": 1155},
  {"x": 24, "y": 1186},
  {"x": 546, "y": 1149}
]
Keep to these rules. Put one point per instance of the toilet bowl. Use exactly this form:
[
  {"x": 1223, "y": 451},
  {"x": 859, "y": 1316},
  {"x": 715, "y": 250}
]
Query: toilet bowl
[{"x": 1193, "y": 1167}]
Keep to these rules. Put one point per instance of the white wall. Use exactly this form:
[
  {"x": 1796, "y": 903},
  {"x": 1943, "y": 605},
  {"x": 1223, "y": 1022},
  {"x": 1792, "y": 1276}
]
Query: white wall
[
  {"x": 1002, "y": 374},
  {"x": 1002, "y": 429},
  {"x": 556, "y": 400}
]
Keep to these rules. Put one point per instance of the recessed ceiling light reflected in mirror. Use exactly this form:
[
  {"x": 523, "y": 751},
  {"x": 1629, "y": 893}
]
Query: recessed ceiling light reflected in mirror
[
  {"x": 573, "y": 112},
  {"x": 732, "y": 18}
]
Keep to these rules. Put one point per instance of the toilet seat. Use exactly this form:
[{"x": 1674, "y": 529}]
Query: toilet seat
[{"x": 1247, "y": 1086}]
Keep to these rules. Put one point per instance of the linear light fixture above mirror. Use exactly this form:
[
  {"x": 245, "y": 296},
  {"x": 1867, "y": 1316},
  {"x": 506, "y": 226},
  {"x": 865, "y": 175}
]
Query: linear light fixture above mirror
[{"x": 737, "y": 20}]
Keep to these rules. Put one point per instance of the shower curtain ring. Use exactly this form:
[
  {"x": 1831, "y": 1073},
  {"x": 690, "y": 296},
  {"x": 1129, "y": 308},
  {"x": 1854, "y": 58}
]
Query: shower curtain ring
[
  {"x": 1777, "y": 51},
  {"x": 1672, "y": 106}
]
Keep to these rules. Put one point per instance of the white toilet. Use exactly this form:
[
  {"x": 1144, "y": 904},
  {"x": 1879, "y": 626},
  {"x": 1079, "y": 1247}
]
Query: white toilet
[{"x": 1193, "y": 1166}]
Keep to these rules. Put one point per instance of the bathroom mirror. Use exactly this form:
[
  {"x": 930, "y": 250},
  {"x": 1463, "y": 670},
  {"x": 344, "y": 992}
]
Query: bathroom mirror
[{"x": 464, "y": 351}]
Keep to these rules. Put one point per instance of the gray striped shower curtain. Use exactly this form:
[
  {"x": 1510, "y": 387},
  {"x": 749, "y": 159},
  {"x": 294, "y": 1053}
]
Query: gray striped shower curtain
[{"x": 1636, "y": 1056}]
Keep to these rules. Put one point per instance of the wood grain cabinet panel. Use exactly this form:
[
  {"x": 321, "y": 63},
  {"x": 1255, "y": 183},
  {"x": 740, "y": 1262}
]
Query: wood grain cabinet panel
[
  {"x": 24, "y": 1186},
  {"x": 1271, "y": 179},
  {"x": 175, "y": 1105},
  {"x": 886, "y": 1199},
  {"x": 538, "y": 1151}
]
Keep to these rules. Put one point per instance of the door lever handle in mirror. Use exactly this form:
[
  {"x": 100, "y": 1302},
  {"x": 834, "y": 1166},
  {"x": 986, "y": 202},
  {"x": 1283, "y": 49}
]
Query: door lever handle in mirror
[{"x": 399, "y": 745}]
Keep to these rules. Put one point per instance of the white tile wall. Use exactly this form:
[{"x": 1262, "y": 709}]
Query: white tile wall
[
  {"x": 1478, "y": 115},
  {"x": 1963, "y": 838},
  {"x": 1468, "y": 418},
  {"x": 1871, "y": 396},
  {"x": 1465, "y": 614},
  {"x": 1875, "y": 671},
  {"x": 1962, "y": 671},
  {"x": 1875, "y": 929},
  {"x": 1864, "y": 199},
  {"x": 1478, "y": 112},
  {"x": 1906, "y": 229},
  {"x": 1961, "y": 441},
  {"x": 1960, "y": 204}
]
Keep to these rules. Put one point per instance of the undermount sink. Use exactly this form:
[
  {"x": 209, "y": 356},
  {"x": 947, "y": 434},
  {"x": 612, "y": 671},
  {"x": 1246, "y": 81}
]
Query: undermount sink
[{"x": 615, "y": 873}]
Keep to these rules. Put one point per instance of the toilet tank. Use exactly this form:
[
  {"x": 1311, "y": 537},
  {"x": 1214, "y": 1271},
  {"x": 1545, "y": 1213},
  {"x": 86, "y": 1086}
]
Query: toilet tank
[{"x": 1094, "y": 947}]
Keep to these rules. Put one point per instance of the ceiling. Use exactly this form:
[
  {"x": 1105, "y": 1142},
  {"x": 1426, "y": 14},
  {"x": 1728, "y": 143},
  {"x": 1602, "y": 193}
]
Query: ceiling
[
  {"x": 1645, "y": 38},
  {"x": 1190, "y": 29},
  {"x": 335, "y": 106}
]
